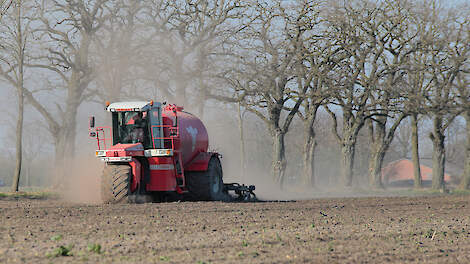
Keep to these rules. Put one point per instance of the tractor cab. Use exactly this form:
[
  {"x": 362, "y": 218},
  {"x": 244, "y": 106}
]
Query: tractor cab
[
  {"x": 137, "y": 122},
  {"x": 132, "y": 123}
]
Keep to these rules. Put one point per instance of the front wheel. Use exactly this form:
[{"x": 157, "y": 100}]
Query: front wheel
[{"x": 115, "y": 183}]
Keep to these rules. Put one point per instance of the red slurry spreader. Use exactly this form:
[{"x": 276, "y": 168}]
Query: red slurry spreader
[{"x": 153, "y": 151}]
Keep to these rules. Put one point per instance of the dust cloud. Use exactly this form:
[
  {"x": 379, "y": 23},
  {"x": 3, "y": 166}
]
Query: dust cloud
[
  {"x": 224, "y": 138},
  {"x": 82, "y": 184}
]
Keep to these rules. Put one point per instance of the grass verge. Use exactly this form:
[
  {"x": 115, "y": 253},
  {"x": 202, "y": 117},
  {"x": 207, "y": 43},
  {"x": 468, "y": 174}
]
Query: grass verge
[{"x": 36, "y": 195}]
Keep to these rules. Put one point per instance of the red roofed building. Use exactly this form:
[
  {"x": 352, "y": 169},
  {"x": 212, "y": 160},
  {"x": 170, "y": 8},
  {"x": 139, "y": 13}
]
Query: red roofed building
[{"x": 402, "y": 170}]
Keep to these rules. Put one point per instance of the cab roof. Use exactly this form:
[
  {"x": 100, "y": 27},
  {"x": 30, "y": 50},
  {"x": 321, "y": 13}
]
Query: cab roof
[{"x": 131, "y": 106}]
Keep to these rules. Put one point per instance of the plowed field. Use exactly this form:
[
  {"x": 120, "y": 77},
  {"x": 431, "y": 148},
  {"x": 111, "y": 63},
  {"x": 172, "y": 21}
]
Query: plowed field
[{"x": 432, "y": 229}]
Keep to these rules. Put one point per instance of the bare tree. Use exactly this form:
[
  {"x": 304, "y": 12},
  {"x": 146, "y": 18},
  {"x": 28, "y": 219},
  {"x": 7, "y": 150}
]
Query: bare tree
[
  {"x": 387, "y": 98},
  {"x": 445, "y": 63},
  {"x": 15, "y": 32},
  {"x": 263, "y": 74},
  {"x": 67, "y": 30},
  {"x": 417, "y": 84},
  {"x": 316, "y": 59},
  {"x": 359, "y": 34},
  {"x": 418, "y": 80}
]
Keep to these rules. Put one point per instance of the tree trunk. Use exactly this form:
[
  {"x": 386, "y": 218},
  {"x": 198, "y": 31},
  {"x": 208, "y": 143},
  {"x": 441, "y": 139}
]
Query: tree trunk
[
  {"x": 376, "y": 157},
  {"x": 65, "y": 146},
  {"x": 19, "y": 137},
  {"x": 202, "y": 103},
  {"x": 242, "y": 143},
  {"x": 377, "y": 153},
  {"x": 202, "y": 88},
  {"x": 28, "y": 174},
  {"x": 70, "y": 132},
  {"x": 76, "y": 86},
  {"x": 438, "y": 154},
  {"x": 308, "y": 152},
  {"x": 180, "y": 81},
  {"x": 418, "y": 182},
  {"x": 65, "y": 138},
  {"x": 351, "y": 127},
  {"x": 20, "y": 93},
  {"x": 59, "y": 164},
  {"x": 375, "y": 168},
  {"x": 279, "y": 159},
  {"x": 308, "y": 156},
  {"x": 347, "y": 163},
  {"x": 465, "y": 181}
]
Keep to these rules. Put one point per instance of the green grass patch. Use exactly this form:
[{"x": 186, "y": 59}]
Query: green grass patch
[
  {"x": 460, "y": 192},
  {"x": 164, "y": 258},
  {"x": 56, "y": 237},
  {"x": 96, "y": 248},
  {"x": 40, "y": 195},
  {"x": 60, "y": 251}
]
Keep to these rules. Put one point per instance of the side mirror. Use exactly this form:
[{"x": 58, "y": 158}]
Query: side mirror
[{"x": 92, "y": 121}]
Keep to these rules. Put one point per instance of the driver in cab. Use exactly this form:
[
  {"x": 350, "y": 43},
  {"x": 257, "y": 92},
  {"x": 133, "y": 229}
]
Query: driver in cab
[{"x": 138, "y": 131}]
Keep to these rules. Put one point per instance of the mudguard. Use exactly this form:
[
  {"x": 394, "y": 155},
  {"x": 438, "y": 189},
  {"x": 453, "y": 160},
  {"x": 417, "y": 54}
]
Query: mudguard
[
  {"x": 136, "y": 174},
  {"x": 201, "y": 162}
]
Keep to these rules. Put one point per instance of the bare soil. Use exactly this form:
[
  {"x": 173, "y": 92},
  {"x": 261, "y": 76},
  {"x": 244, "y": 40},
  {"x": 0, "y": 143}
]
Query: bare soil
[{"x": 433, "y": 229}]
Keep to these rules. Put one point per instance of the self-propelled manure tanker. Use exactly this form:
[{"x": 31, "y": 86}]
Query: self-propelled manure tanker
[{"x": 155, "y": 150}]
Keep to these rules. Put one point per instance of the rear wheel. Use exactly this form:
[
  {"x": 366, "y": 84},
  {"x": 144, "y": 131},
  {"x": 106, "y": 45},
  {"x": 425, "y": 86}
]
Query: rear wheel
[
  {"x": 207, "y": 185},
  {"x": 115, "y": 183}
]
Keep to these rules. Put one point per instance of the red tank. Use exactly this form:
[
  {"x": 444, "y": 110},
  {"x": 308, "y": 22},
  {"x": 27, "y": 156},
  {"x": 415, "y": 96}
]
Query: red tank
[{"x": 193, "y": 133}]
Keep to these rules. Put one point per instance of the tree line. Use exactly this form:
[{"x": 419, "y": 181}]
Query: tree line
[{"x": 368, "y": 64}]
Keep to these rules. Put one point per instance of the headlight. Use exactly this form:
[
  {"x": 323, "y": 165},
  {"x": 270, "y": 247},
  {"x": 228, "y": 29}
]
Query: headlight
[
  {"x": 101, "y": 153},
  {"x": 164, "y": 152},
  {"x": 158, "y": 152}
]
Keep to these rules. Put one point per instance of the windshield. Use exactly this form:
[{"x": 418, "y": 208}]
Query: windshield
[{"x": 130, "y": 127}]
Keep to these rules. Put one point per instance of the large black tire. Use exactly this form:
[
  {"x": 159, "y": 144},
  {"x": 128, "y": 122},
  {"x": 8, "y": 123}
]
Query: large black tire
[
  {"x": 207, "y": 185},
  {"x": 115, "y": 183}
]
